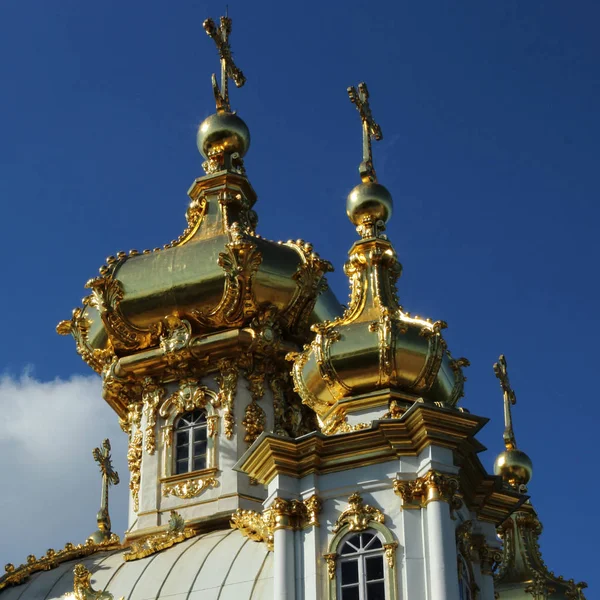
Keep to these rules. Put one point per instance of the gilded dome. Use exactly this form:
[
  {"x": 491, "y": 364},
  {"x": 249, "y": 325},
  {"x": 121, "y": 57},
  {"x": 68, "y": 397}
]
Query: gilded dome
[{"x": 218, "y": 285}]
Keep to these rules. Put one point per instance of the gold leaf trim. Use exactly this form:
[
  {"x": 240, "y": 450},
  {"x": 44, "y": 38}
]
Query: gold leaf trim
[
  {"x": 189, "y": 488},
  {"x": 176, "y": 532},
  {"x": 358, "y": 515}
]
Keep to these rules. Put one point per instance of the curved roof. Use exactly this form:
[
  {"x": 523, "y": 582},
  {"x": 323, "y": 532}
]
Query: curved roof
[{"x": 221, "y": 565}]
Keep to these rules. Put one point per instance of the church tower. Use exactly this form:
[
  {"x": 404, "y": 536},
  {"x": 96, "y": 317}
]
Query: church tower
[{"x": 282, "y": 446}]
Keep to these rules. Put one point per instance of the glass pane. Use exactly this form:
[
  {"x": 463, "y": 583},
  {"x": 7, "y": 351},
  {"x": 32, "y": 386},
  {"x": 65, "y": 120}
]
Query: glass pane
[
  {"x": 349, "y": 572},
  {"x": 374, "y": 567},
  {"x": 374, "y": 543},
  {"x": 376, "y": 591},
  {"x": 182, "y": 438},
  {"x": 199, "y": 448},
  {"x": 199, "y": 434},
  {"x": 366, "y": 538},
  {"x": 199, "y": 463},
  {"x": 350, "y": 593},
  {"x": 182, "y": 452},
  {"x": 352, "y": 545},
  {"x": 182, "y": 466}
]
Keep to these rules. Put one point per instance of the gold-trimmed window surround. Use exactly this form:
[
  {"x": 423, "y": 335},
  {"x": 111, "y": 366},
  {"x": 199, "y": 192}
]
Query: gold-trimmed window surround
[{"x": 357, "y": 517}]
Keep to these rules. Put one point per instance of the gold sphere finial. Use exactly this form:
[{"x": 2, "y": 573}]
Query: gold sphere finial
[
  {"x": 515, "y": 467},
  {"x": 369, "y": 203},
  {"x": 223, "y": 133}
]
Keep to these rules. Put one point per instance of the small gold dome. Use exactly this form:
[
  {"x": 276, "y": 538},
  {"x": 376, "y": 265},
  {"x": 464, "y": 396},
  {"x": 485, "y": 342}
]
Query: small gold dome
[
  {"x": 369, "y": 201},
  {"x": 223, "y": 132},
  {"x": 514, "y": 466}
]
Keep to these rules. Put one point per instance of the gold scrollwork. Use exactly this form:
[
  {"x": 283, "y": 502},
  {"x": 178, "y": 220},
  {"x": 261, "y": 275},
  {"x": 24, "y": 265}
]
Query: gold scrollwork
[
  {"x": 152, "y": 394},
  {"x": 79, "y": 326},
  {"x": 330, "y": 560},
  {"x": 240, "y": 263},
  {"x": 107, "y": 294},
  {"x": 254, "y": 421},
  {"x": 176, "y": 532},
  {"x": 82, "y": 586},
  {"x": 286, "y": 514},
  {"x": 53, "y": 558},
  {"x": 190, "y": 488},
  {"x": 358, "y": 515},
  {"x": 227, "y": 382},
  {"x": 390, "y": 553},
  {"x": 433, "y": 486},
  {"x": 310, "y": 281},
  {"x": 134, "y": 460}
]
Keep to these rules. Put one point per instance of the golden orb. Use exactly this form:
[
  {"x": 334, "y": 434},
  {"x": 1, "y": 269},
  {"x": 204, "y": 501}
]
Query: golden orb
[
  {"x": 225, "y": 132},
  {"x": 514, "y": 466},
  {"x": 370, "y": 201}
]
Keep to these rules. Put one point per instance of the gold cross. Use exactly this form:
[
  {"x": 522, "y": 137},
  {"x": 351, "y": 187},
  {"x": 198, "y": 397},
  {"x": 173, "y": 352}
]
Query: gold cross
[
  {"x": 228, "y": 68},
  {"x": 370, "y": 130},
  {"x": 510, "y": 398},
  {"x": 109, "y": 477}
]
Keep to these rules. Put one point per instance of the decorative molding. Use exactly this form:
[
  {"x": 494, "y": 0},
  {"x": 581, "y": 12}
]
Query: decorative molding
[
  {"x": 106, "y": 297},
  {"x": 431, "y": 487},
  {"x": 189, "y": 488},
  {"x": 331, "y": 559},
  {"x": 390, "y": 553},
  {"x": 82, "y": 586},
  {"x": 53, "y": 558},
  {"x": 152, "y": 394},
  {"x": 240, "y": 263},
  {"x": 254, "y": 421},
  {"x": 176, "y": 532},
  {"x": 134, "y": 460},
  {"x": 281, "y": 514},
  {"x": 358, "y": 515},
  {"x": 227, "y": 381},
  {"x": 79, "y": 326}
]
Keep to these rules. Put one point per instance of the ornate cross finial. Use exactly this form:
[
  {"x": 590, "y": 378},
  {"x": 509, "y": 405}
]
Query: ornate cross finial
[
  {"x": 228, "y": 68},
  {"x": 501, "y": 371},
  {"x": 109, "y": 477},
  {"x": 370, "y": 129}
]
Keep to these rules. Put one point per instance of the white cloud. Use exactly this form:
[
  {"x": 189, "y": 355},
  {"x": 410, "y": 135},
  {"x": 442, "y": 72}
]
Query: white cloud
[{"x": 50, "y": 483}]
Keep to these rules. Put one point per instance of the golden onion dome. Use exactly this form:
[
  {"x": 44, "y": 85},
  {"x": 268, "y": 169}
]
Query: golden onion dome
[
  {"x": 376, "y": 354},
  {"x": 218, "y": 288}
]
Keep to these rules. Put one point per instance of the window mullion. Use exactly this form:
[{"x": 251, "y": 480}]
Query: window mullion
[{"x": 191, "y": 452}]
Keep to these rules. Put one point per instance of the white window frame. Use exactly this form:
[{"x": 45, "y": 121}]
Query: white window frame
[
  {"x": 361, "y": 557},
  {"x": 190, "y": 435}
]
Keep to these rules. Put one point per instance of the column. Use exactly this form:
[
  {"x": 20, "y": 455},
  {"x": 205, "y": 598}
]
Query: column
[
  {"x": 284, "y": 577},
  {"x": 441, "y": 543}
]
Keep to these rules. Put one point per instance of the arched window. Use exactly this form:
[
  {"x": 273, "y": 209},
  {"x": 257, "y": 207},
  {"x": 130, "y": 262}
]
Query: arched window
[
  {"x": 190, "y": 442},
  {"x": 361, "y": 569}
]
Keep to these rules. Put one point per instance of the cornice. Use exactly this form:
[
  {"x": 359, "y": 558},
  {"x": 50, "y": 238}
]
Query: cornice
[{"x": 421, "y": 426}]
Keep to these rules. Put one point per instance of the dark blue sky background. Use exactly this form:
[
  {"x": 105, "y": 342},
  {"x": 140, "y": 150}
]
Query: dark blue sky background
[{"x": 490, "y": 118}]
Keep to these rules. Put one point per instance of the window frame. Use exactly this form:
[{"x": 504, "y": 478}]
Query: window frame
[
  {"x": 360, "y": 557},
  {"x": 205, "y": 399},
  {"x": 190, "y": 430},
  {"x": 389, "y": 553}
]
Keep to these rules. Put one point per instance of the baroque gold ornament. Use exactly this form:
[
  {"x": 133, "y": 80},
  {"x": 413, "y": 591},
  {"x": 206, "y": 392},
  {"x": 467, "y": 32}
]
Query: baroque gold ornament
[
  {"x": 109, "y": 477},
  {"x": 152, "y": 395},
  {"x": 227, "y": 382},
  {"x": 190, "y": 488},
  {"x": 358, "y": 515},
  {"x": 82, "y": 586},
  {"x": 134, "y": 460},
  {"x": 175, "y": 532}
]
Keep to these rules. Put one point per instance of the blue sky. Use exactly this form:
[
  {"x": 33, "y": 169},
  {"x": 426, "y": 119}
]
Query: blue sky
[{"x": 490, "y": 150}]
